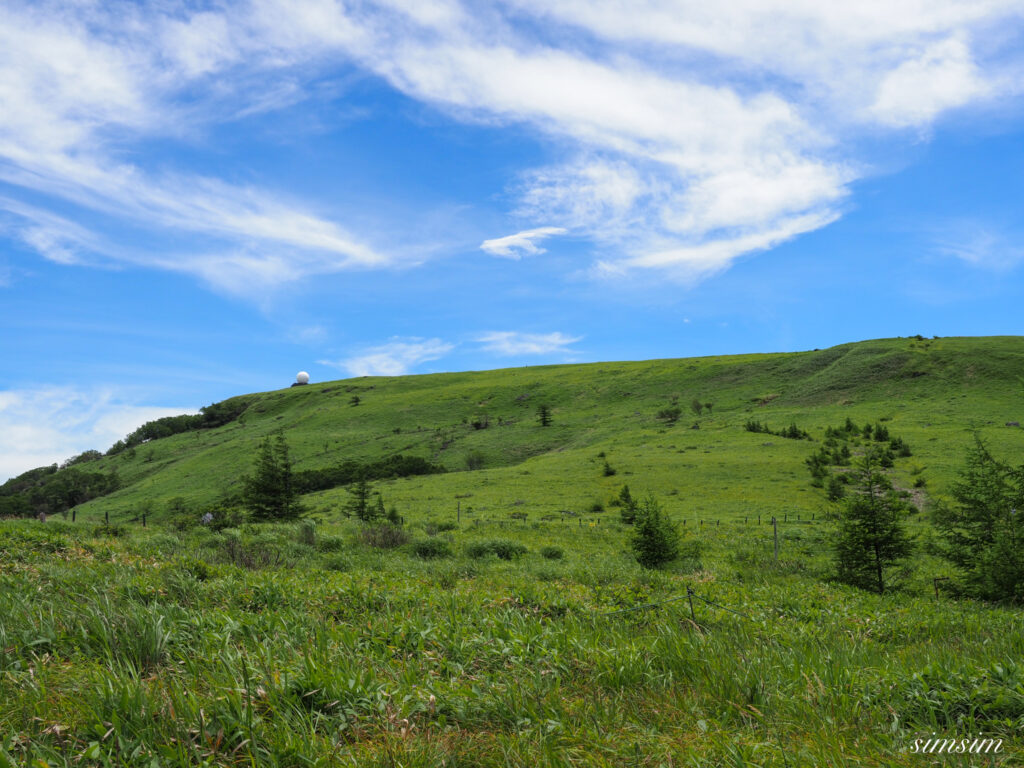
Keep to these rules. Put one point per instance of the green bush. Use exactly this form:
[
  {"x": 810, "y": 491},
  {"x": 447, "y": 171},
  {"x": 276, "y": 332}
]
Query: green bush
[
  {"x": 434, "y": 528},
  {"x": 336, "y": 562},
  {"x": 477, "y": 550},
  {"x": 429, "y": 549},
  {"x": 502, "y": 548},
  {"x": 306, "y": 533},
  {"x": 552, "y": 553},
  {"x": 330, "y": 543},
  {"x": 656, "y": 538},
  {"x": 507, "y": 550},
  {"x": 383, "y": 536}
]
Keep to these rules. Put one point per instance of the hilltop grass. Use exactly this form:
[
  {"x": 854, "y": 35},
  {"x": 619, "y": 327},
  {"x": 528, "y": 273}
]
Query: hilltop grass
[{"x": 146, "y": 648}]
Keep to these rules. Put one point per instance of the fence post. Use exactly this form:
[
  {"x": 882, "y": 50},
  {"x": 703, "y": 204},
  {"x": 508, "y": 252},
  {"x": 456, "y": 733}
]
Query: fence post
[
  {"x": 106, "y": 518},
  {"x": 689, "y": 596},
  {"x": 458, "y": 512},
  {"x": 775, "y": 527},
  {"x": 143, "y": 519}
]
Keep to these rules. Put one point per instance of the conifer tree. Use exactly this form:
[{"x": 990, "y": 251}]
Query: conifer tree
[
  {"x": 359, "y": 505},
  {"x": 984, "y": 529},
  {"x": 871, "y": 539},
  {"x": 269, "y": 493},
  {"x": 656, "y": 537},
  {"x": 544, "y": 415},
  {"x": 627, "y": 506}
]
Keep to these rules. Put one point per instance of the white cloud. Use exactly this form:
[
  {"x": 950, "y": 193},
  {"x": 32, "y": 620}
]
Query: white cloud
[
  {"x": 395, "y": 358},
  {"x": 42, "y": 426},
  {"x": 941, "y": 78},
  {"x": 691, "y": 262},
  {"x": 980, "y": 244},
  {"x": 514, "y": 343},
  {"x": 80, "y": 86},
  {"x": 522, "y": 243},
  {"x": 674, "y": 125}
]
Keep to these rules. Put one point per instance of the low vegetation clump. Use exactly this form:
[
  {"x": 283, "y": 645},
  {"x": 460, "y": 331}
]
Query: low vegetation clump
[
  {"x": 431, "y": 548},
  {"x": 792, "y": 432},
  {"x": 501, "y": 548},
  {"x": 383, "y": 536}
]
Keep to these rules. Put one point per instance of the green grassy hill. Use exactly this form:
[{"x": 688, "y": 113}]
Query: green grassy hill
[
  {"x": 932, "y": 392},
  {"x": 501, "y": 641}
]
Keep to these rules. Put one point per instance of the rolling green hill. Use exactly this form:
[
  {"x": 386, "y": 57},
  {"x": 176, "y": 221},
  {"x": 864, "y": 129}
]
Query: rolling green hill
[
  {"x": 934, "y": 393},
  {"x": 520, "y": 635}
]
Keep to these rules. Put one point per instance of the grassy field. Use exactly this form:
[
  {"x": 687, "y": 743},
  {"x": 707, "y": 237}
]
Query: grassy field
[
  {"x": 307, "y": 645},
  {"x": 935, "y": 393}
]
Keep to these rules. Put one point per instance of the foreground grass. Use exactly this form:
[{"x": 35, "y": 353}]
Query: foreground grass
[{"x": 250, "y": 647}]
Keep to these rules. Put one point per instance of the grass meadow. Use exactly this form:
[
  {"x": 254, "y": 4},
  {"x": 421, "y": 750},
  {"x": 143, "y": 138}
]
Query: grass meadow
[{"x": 509, "y": 624}]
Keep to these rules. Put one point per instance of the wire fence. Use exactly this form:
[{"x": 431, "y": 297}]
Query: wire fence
[{"x": 689, "y": 596}]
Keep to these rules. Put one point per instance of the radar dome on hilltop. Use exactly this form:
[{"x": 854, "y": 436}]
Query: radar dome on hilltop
[{"x": 301, "y": 378}]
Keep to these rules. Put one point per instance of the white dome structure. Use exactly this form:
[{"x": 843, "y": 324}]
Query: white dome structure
[{"x": 302, "y": 378}]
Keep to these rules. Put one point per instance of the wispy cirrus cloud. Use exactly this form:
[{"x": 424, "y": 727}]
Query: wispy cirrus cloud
[
  {"x": 395, "y": 358},
  {"x": 682, "y": 134},
  {"x": 82, "y": 85},
  {"x": 521, "y": 243},
  {"x": 982, "y": 244},
  {"x": 517, "y": 343}
]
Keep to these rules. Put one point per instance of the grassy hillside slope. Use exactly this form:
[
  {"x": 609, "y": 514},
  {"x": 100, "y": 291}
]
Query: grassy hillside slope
[
  {"x": 319, "y": 643},
  {"x": 933, "y": 392}
]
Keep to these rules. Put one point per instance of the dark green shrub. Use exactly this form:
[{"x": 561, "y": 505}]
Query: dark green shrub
[
  {"x": 836, "y": 489},
  {"x": 477, "y": 550},
  {"x": 507, "y": 550},
  {"x": 330, "y": 543},
  {"x": 429, "y": 549},
  {"x": 502, "y": 548},
  {"x": 336, "y": 562},
  {"x": 383, "y": 536},
  {"x": 552, "y": 553},
  {"x": 670, "y": 415}
]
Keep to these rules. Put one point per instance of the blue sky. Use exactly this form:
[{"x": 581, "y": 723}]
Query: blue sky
[{"x": 200, "y": 199}]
